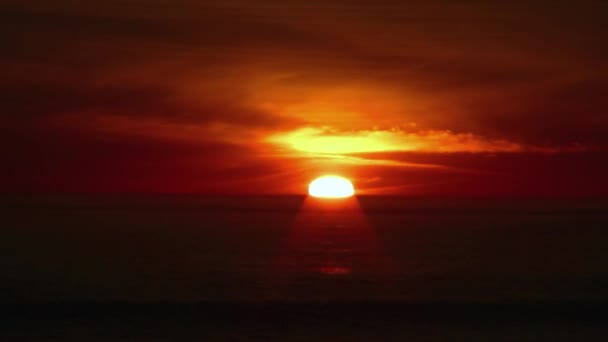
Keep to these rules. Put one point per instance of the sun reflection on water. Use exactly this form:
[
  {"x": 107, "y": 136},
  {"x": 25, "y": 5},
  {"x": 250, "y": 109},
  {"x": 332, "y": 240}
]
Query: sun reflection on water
[{"x": 331, "y": 244}]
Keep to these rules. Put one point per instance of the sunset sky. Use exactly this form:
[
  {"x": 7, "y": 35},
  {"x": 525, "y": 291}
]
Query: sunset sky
[{"x": 420, "y": 98}]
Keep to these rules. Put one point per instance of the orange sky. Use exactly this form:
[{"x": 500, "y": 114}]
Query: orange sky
[{"x": 428, "y": 98}]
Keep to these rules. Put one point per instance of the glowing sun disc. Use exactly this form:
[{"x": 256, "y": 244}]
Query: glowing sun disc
[{"x": 331, "y": 187}]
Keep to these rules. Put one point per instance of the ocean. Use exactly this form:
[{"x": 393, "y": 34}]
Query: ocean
[{"x": 73, "y": 263}]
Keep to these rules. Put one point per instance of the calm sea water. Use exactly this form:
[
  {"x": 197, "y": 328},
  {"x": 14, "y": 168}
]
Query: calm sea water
[{"x": 188, "y": 248}]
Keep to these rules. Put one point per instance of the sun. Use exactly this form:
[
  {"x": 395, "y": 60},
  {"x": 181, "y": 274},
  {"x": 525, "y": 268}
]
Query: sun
[{"x": 331, "y": 187}]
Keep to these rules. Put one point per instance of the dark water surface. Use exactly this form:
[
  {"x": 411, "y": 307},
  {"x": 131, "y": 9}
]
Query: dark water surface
[{"x": 302, "y": 262}]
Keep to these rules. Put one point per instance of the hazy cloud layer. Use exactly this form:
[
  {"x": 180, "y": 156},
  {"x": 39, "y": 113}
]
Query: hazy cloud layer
[{"x": 196, "y": 76}]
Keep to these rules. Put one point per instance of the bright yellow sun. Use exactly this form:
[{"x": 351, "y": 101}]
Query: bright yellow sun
[{"x": 331, "y": 187}]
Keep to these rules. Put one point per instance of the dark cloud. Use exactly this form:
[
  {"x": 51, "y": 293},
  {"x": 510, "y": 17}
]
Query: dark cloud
[
  {"x": 493, "y": 175},
  {"x": 573, "y": 112},
  {"x": 69, "y": 161},
  {"x": 27, "y": 101},
  {"x": 55, "y": 99},
  {"x": 209, "y": 28}
]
